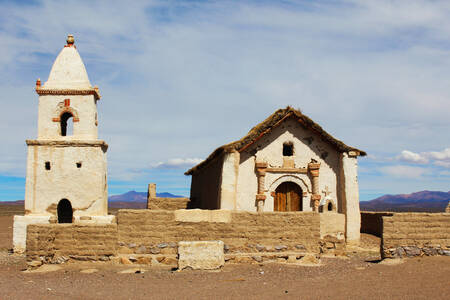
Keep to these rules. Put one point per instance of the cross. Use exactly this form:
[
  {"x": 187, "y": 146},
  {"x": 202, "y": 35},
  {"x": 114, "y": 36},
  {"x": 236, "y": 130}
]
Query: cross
[{"x": 326, "y": 191}]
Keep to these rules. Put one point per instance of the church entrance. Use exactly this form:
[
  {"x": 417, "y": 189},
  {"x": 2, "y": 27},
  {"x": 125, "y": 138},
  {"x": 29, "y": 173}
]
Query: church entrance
[
  {"x": 65, "y": 212},
  {"x": 288, "y": 197}
]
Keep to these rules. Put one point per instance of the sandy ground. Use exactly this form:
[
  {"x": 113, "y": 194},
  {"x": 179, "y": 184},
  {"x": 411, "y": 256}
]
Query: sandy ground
[{"x": 357, "y": 277}]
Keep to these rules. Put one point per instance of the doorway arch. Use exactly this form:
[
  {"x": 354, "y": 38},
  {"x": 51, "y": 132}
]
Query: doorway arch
[
  {"x": 288, "y": 197},
  {"x": 65, "y": 212}
]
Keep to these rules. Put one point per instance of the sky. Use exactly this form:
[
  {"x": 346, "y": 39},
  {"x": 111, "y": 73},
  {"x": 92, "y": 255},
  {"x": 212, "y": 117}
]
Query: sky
[{"x": 180, "y": 78}]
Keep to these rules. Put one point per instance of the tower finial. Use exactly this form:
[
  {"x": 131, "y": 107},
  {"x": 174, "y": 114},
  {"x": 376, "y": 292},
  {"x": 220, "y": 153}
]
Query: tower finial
[{"x": 70, "y": 40}]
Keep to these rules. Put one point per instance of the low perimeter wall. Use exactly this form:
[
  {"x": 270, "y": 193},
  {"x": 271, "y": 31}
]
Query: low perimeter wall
[
  {"x": 145, "y": 231},
  {"x": 415, "y": 234},
  {"x": 56, "y": 243},
  {"x": 167, "y": 203},
  {"x": 140, "y": 234}
]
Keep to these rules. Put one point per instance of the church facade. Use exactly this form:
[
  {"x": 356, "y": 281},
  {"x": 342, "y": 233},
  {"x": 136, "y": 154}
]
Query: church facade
[
  {"x": 286, "y": 163},
  {"x": 66, "y": 178}
]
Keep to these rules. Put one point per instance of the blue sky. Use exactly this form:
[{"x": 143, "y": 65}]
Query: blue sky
[{"x": 180, "y": 78}]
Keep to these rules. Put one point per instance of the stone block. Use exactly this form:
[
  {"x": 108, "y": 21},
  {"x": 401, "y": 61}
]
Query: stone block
[{"x": 201, "y": 255}]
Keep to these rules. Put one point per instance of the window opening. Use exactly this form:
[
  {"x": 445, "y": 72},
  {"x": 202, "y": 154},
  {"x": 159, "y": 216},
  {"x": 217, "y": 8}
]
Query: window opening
[
  {"x": 79, "y": 164},
  {"x": 288, "y": 149},
  {"x": 66, "y": 124},
  {"x": 47, "y": 165},
  {"x": 330, "y": 206}
]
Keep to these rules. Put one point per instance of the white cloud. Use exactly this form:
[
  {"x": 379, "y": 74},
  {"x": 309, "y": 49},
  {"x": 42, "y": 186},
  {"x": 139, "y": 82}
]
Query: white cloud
[
  {"x": 408, "y": 156},
  {"x": 400, "y": 171},
  {"x": 177, "y": 163},
  {"x": 438, "y": 158}
]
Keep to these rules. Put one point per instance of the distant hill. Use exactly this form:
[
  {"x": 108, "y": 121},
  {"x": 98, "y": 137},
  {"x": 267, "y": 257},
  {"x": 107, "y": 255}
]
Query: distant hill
[{"x": 424, "y": 201}]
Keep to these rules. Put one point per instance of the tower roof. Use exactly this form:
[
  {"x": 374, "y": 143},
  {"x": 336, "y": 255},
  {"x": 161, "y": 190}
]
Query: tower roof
[{"x": 68, "y": 71}]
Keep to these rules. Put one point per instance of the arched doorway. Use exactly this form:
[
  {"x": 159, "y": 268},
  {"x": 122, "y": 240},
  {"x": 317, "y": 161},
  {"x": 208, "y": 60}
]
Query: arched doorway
[
  {"x": 65, "y": 212},
  {"x": 288, "y": 197}
]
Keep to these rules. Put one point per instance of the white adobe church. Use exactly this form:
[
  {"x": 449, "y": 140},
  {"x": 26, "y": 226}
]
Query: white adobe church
[
  {"x": 286, "y": 163},
  {"x": 66, "y": 165}
]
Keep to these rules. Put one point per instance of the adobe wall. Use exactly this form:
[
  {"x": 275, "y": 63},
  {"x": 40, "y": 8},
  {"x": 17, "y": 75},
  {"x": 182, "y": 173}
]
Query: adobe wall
[
  {"x": 167, "y": 203},
  {"x": 60, "y": 242},
  {"x": 415, "y": 234},
  {"x": 372, "y": 222},
  {"x": 141, "y": 231}
]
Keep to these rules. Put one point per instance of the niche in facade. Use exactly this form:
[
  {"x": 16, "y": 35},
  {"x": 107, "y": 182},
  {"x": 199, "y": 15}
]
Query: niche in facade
[
  {"x": 288, "y": 149},
  {"x": 47, "y": 166}
]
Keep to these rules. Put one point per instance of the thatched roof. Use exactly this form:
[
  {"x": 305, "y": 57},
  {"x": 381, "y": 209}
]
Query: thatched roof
[{"x": 266, "y": 126}]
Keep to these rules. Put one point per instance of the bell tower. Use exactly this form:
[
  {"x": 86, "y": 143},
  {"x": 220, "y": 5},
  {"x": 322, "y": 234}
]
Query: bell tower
[{"x": 66, "y": 165}]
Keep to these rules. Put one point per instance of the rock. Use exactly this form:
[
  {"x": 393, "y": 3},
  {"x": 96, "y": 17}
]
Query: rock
[
  {"x": 44, "y": 269},
  {"x": 260, "y": 247},
  {"x": 201, "y": 255},
  {"x": 104, "y": 258},
  {"x": 430, "y": 251},
  {"x": 329, "y": 245},
  {"x": 155, "y": 250},
  {"x": 34, "y": 263},
  {"x": 160, "y": 258},
  {"x": 125, "y": 261},
  {"x": 280, "y": 247},
  {"x": 141, "y": 250},
  {"x": 132, "y": 258},
  {"x": 300, "y": 247},
  {"x": 172, "y": 245},
  {"x": 170, "y": 261},
  {"x": 257, "y": 258},
  {"x": 168, "y": 251},
  {"x": 412, "y": 251},
  {"x": 400, "y": 252},
  {"x": 226, "y": 248},
  {"x": 446, "y": 252},
  {"x": 144, "y": 260},
  {"x": 268, "y": 248},
  {"x": 243, "y": 259},
  {"x": 163, "y": 245},
  {"x": 309, "y": 259},
  {"x": 292, "y": 259},
  {"x": 132, "y": 245}
]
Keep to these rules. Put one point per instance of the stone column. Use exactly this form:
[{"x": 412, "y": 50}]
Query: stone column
[
  {"x": 313, "y": 169},
  {"x": 261, "y": 173}
]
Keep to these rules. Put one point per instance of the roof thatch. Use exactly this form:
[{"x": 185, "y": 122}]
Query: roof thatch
[{"x": 266, "y": 126}]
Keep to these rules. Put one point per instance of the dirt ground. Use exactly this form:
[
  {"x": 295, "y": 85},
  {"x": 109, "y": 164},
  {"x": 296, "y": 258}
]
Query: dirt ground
[{"x": 360, "y": 276}]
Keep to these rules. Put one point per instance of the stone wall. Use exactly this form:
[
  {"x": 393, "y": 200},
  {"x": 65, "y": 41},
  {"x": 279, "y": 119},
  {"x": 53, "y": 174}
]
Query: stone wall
[
  {"x": 56, "y": 243},
  {"x": 415, "y": 234},
  {"x": 148, "y": 231},
  {"x": 372, "y": 222}
]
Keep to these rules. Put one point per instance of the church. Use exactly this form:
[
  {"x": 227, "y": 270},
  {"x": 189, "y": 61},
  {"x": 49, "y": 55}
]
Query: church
[{"x": 285, "y": 163}]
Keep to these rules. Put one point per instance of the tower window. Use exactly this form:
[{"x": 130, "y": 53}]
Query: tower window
[
  {"x": 47, "y": 165},
  {"x": 66, "y": 124},
  {"x": 288, "y": 149},
  {"x": 79, "y": 164}
]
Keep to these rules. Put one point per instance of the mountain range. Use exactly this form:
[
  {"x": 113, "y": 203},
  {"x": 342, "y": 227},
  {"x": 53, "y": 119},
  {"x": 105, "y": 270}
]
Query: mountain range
[{"x": 424, "y": 201}]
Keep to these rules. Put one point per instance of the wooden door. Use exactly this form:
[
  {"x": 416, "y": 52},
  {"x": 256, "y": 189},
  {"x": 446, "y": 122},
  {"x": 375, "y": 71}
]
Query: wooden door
[{"x": 288, "y": 197}]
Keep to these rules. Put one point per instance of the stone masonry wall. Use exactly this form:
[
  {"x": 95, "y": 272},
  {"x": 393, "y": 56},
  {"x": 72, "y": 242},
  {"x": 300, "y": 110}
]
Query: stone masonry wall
[
  {"x": 56, "y": 243},
  {"x": 415, "y": 234},
  {"x": 149, "y": 232}
]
